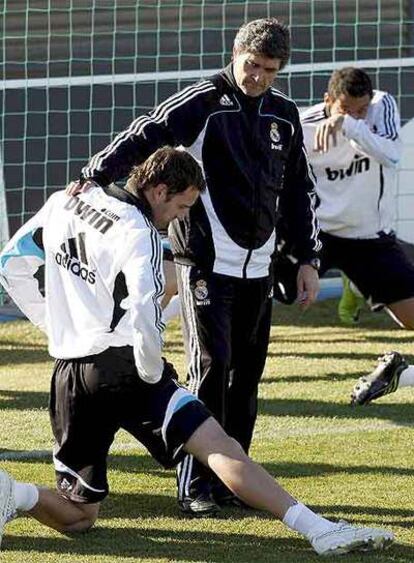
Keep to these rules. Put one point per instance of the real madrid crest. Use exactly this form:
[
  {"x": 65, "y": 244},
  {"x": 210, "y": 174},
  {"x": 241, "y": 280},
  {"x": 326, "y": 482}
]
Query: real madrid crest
[
  {"x": 201, "y": 291},
  {"x": 274, "y": 133}
]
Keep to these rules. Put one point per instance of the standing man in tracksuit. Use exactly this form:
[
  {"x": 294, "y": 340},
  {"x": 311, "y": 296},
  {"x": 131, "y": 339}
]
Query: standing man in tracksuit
[{"x": 248, "y": 139}]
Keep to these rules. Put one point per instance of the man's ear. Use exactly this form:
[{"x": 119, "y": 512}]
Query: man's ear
[
  {"x": 327, "y": 99},
  {"x": 160, "y": 193}
]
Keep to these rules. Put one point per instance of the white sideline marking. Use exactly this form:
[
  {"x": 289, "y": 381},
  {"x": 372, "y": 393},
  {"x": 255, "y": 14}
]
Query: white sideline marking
[{"x": 20, "y": 455}]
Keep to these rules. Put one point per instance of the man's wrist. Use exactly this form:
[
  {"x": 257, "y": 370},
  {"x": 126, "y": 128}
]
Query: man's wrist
[
  {"x": 83, "y": 180},
  {"x": 314, "y": 262},
  {"x": 348, "y": 125}
]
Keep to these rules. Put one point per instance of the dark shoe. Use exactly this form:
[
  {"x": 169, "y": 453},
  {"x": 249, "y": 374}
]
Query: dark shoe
[
  {"x": 224, "y": 497},
  {"x": 201, "y": 507},
  {"x": 383, "y": 380}
]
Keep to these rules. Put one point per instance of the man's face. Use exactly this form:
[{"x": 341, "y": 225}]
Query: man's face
[
  {"x": 254, "y": 73},
  {"x": 348, "y": 105},
  {"x": 166, "y": 208}
]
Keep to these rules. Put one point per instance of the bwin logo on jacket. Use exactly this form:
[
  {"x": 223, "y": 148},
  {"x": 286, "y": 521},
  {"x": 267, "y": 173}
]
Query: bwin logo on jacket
[
  {"x": 359, "y": 165},
  {"x": 74, "y": 259}
]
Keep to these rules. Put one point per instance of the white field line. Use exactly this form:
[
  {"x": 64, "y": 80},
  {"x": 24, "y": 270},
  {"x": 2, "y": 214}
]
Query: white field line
[
  {"x": 67, "y": 81},
  {"x": 277, "y": 435}
]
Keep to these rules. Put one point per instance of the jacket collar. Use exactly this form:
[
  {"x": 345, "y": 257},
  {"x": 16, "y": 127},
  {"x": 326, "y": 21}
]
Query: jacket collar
[
  {"x": 231, "y": 81},
  {"x": 127, "y": 197}
]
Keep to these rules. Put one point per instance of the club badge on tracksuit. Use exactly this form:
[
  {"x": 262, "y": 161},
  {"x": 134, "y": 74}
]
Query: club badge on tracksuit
[
  {"x": 275, "y": 137},
  {"x": 201, "y": 293}
]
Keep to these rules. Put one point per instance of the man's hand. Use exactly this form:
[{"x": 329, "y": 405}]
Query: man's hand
[
  {"x": 326, "y": 133},
  {"x": 75, "y": 188},
  {"x": 308, "y": 286}
]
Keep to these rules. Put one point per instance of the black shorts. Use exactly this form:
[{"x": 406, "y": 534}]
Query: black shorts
[
  {"x": 92, "y": 398},
  {"x": 379, "y": 268}
]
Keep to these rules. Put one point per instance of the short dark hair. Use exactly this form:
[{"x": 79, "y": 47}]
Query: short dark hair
[
  {"x": 267, "y": 37},
  {"x": 350, "y": 81},
  {"x": 175, "y": 168}
]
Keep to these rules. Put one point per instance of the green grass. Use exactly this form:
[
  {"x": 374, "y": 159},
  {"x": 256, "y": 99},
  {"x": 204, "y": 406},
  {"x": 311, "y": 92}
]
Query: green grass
[{"x": 352, "y": 463}]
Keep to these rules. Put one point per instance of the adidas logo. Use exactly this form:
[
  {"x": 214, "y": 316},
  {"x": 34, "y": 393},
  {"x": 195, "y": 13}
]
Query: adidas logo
[
  {"x": 225, "y": 101},
  {"x": 74, "y": 259}
]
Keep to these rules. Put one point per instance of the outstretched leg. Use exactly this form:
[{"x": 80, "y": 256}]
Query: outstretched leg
[{"x": 250, "y": 482}]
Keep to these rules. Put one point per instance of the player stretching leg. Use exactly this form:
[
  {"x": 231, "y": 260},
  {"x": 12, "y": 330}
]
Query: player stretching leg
[{"x": 101, "y": 311}]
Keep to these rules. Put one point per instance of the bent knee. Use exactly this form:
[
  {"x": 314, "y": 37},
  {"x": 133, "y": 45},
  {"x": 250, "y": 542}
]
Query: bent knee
[
  {"x": 80, "y": 526},
  {"x": 86, "y": 518}
]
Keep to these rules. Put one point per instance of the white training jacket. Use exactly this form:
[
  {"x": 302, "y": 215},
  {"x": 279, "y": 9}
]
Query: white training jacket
[
  {"x": 103, "y": 276},
  {"x": 356, "y": 180}
]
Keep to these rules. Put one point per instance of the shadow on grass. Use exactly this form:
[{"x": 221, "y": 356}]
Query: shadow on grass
[
  {"x": 168, "y": 545},
  {"x": 368, "y": 514},
  {"x": 157, "y": 506},
  {"x": 24, "y": 355},
  {"x": 178, "y": 545},
  {"x": 326, "y": 354},
  {"x": 143, "y": 466},
  {"x": 31, "y": 345},
  {"x": 330, "y": 377},
  {"x": 174, "y": 343},
  {"x": 324, "y": 313},
  {"x": 337, "y": 336},
  {"x": 150, "y": 506},
  {"x": 23, "y": 400},
  {"x": 313, "y": 408},
  {"x": 299, "y": 470}
]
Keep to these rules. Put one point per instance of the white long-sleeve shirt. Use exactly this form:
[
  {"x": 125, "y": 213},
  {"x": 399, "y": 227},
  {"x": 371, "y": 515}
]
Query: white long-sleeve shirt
[
  {"x": 103, "y": 276},
  {"x": 356, "y": 180}
]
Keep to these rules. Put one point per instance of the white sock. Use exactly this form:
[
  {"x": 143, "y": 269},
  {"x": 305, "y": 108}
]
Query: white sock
[
  {"x": 303, "y": 520},
  {"x": 172, "y": 310},
  {"x": 407, "y": 377},
  {"x": 26, "y": 496}
]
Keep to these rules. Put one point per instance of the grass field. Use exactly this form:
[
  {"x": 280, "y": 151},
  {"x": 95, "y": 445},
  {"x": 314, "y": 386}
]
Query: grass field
[{"x": 352, "y": 463}]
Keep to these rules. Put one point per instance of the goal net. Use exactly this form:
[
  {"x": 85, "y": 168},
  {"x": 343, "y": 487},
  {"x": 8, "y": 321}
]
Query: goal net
[{"x": 75, "y": 72}]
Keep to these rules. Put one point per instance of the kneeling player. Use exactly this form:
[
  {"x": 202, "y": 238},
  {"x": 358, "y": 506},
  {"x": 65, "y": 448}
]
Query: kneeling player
[{"x": 102, "y": 315}]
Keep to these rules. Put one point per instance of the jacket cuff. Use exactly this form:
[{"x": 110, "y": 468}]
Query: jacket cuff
[{"x": 350, "y": 126}]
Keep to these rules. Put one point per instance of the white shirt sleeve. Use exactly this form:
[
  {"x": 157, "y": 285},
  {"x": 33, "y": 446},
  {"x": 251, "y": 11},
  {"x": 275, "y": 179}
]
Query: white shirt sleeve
[
  {"x": 20, "y": 260},
  {"x": 381, "y": 139},
  {"x": 145, "y": 282}
]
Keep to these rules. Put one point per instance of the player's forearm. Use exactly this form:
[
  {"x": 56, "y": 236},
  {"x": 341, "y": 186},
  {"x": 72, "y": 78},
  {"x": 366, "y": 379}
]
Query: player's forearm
[
  {"x": 114, "y": 162},
  {"x": 145, "y": 283},
  {"x": 386, "y": 151}
]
